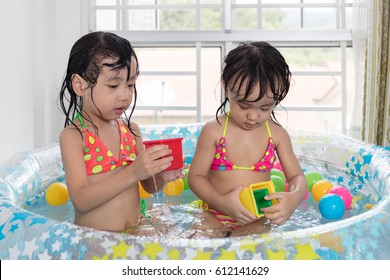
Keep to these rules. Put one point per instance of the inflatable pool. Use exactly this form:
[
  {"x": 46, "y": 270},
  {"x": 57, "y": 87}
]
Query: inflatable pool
[{"x": 362, "y": 233}]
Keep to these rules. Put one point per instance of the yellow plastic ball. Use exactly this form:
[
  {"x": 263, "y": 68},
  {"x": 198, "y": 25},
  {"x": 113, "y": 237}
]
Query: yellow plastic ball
[
  {"x": 320, "y": 188},
  {"x": 142, "y": 192},
  {"x": 174, "y": 188},
  {"x": 57, "y": 194}
]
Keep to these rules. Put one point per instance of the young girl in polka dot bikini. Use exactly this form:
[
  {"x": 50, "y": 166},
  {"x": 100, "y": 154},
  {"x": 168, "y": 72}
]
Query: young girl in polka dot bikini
[
  {"x": 239, "y": 147},
  {"x": 102, "y": 151}
]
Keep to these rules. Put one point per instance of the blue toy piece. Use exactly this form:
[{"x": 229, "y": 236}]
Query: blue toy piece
[
  {"x": 188, "y": 159},
  {"x": 331, "y": 206}
]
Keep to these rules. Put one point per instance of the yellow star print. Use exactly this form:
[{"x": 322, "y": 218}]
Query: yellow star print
[
  {"x": 105, "y": 257},
  {"x": 120, "y": 250},
  {"x": 202, "y": 255},
  {"x": 305, "y": 252},
  {"x": 278, "y": 255},
  {"x": 174, "y": 255},
  {"x": 225, "y": 255},
  {"x": 151, "y": 250}
]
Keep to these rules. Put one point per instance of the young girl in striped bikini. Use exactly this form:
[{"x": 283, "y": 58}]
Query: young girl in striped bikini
[
  {"x": 239, "y": 147},
  {"x": 102, "y": 151}
]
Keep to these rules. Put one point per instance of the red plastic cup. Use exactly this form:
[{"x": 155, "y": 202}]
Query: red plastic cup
[{"x": 176, "y": 147}]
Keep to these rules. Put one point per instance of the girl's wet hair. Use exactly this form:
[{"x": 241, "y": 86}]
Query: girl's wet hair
[
  {"x": 86, "y": 59},
  {"x": 253, "y": 63}
]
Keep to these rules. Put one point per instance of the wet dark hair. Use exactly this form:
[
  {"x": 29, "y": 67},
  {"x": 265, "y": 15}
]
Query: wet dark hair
[
  {"x": 251, "y": 63},
  {"x": 85, "y": 59}
]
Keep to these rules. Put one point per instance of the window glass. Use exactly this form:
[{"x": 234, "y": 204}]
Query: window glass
[
  {"x": 176, "y": 2},
  {"x": 106, "y": 20},
  {"x": 244, "y": 18},
  {"x": 211, "y": 1},
  {"x": 321, "y": 1},
  {"x": 166, "y": 90},
  {"x": 179, "y": 79},
  {"x": 105, "y": 2},
  {"x": 147, "y": 117},
  {"x": 166, "y": 59},
  {"x": 141, "y": 2},
  {"x": 281, "y": 1},
  {"x": 157, "y": 88},
  {"x": 314, "y": 91},
  {"x": 281, "y": 18},
  {"x": 177, "y": 19},
  {"x": 319, "y": 121},
  {"x": 141, "y": 19},
  {"x": 211, "y": 19},
  {"x": 312, "y": 59},
  {"x": 319, "y": 18},
  {"x": 210, "y": 85}
]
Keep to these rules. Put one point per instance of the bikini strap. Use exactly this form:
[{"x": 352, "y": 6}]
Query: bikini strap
[
  {"x": 80, "y": 118},
  {"x": 268, "y": 130},
  {"x": 226, "y": 122}
]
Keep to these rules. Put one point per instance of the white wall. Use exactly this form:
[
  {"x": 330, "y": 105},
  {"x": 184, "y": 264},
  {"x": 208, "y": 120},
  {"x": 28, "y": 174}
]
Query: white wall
[{"x": 36, "y": 37}]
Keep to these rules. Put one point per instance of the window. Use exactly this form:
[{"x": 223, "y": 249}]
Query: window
[{"x": 181, "y": 45}]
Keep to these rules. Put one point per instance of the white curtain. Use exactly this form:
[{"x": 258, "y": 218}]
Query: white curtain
[{"x": 371, "y": 120}]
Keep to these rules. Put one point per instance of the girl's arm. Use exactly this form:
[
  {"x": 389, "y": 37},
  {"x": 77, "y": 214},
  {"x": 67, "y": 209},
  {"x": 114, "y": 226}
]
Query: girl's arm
[
  {"x": 199, "y": 183},
  {"x": 288, "y": 202},
  {"x": 89, "y": 194}
]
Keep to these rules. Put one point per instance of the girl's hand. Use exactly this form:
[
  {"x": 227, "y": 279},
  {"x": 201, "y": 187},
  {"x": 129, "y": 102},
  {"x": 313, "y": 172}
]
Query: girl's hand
[
  {"x": 172, "y": 175},
  {"x": 282, "y": 211},
  {"x": 235, "y": 209},
  {"x": 152, "y": 161}
]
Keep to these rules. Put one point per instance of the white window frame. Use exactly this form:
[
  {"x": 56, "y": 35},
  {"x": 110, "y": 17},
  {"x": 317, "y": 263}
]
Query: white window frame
[{"x": 226, "y": 39}]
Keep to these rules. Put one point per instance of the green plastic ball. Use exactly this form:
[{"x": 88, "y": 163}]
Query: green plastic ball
[
  {"x": 311, "y": 178},
  {"x": 279, "y": 173},
  {"x": 279, "y": 183},
  {"x": 185, "y": 179}
]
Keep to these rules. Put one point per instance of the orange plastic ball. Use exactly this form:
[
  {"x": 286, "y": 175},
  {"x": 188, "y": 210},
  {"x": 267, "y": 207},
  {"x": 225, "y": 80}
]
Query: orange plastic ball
[
  {"x": 174, "y": 188},
  {"x": 142, "y": 192},
  {"x": 57, "y": 194},
  {"x": 320, "y": 188}
]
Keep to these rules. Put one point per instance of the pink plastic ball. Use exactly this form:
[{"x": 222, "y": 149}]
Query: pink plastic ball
[
  {"x": 306, "y": 195},
  {"x": 277, "y": 165},
  {"x": 344, "y": 193}
]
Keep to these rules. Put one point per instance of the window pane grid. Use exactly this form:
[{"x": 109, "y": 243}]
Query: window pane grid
[
  {"x": 194, "y": 13},
  {"x": 204, "y": 24}
]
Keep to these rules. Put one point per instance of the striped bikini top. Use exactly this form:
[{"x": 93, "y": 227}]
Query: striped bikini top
[{"x": 221, "y": 163}]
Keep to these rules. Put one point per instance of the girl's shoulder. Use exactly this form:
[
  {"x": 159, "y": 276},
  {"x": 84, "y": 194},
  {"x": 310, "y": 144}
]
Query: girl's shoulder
[
  {"x": 71, "y": 129},
  {"x": 275, "y": 128},
  {"x": 213, "y": 127},
  {"x": 279, "y": 133},
  {"x": 211, "y": 133},
  {"x": 71, "y": 135}
]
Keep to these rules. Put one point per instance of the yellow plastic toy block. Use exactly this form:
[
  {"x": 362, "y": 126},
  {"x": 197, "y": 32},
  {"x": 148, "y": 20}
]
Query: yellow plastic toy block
[{"x": 252, "y": 197}]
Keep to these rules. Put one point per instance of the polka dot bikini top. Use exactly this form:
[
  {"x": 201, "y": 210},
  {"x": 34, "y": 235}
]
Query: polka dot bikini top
[{"x": 98, "y": 158}]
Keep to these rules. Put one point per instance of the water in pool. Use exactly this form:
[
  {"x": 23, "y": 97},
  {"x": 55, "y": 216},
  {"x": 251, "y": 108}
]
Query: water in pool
[{"x": 174, "y": 216}]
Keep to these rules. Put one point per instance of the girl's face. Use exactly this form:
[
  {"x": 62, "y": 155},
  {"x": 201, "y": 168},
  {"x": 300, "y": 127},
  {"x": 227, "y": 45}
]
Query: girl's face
[
  {"x": 250, "y": 114},
  {"x": 113, "y": 93}
]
